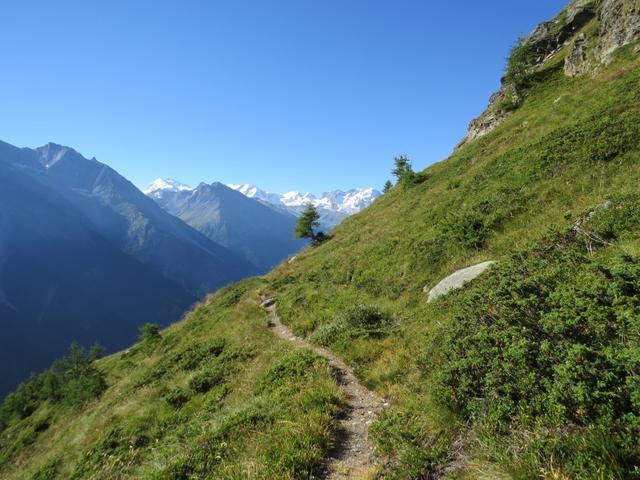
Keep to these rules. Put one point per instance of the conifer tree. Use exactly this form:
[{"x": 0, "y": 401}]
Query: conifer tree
[{"x": 306, "y": 224}]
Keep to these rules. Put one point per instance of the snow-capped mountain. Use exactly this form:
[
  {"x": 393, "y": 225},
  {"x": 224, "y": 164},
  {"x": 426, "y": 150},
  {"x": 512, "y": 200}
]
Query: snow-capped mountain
[
  {"x": 165, "y": 185},
  {"x": 333, "y": 206}
]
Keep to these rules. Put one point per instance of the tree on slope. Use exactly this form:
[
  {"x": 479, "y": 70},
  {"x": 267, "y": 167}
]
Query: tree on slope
[
  {"x": 306, "y": 224},
  {"x": 403, "y": 170}
]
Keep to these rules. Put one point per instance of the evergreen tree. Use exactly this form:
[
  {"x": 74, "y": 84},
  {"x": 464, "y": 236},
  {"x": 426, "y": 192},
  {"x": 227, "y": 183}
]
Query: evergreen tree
[
  {"x": 387, "y": 186},
  {"x": 306, "y": 224},
  {"x": 403, "y": 170}
]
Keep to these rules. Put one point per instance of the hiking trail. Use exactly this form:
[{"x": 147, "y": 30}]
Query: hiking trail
[{"x": 353, "y": 456}]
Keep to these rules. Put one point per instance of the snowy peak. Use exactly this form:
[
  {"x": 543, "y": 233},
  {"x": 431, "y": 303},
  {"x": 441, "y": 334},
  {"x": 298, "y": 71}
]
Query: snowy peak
[
  {"x": 165, "y": 185},
  {"x": 334, "y": 206}
]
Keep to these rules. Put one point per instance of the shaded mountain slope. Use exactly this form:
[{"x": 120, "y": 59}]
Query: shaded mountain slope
[
  {"x": 62, "y": 281},
  {"x": 134, "y": 223},
  {"x": 262, "y": 235}
]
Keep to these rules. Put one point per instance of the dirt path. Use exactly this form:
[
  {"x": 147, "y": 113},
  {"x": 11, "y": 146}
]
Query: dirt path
[{"x": 353, "y": 456}]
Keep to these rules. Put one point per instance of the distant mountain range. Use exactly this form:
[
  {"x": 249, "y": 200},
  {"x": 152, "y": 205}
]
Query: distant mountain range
[
  {"x": 334, "y": 206},
  {"x": 86, "y": 256},
  {"x": 258, "y": 232}
]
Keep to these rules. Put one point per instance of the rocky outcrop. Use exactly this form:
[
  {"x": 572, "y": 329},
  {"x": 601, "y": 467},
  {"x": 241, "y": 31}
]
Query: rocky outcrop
[
  {"x": 457, "y": 280},
  {"x": 576, "y": 61},
  {"x": 619, "y": 26},
  {"x": 501, "y": 104}
]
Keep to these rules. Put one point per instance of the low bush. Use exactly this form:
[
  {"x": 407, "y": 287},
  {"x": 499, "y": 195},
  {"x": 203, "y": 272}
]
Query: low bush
[
  {"x": 543, "y": 353},
  {"x": 176, "y": 397},
  {"x": 71, "y": 380}
]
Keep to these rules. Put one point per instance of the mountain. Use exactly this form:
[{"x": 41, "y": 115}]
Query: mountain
[
  {"x": 61, "y": 281},
  {"x": 129, "y": 219},
  {"x": 85, "y": 256},
  {"x": 530, "y": 370},
  {"x": 333, "y": 206},
  {"x": 166, "y": 185},
  {"x": 260, "y": 233}
]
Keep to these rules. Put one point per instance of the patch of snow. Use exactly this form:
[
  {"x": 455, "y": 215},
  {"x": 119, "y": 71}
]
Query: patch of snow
[
  {"x": 333, "y": 206},
  {"x": 166, "y": 185}
]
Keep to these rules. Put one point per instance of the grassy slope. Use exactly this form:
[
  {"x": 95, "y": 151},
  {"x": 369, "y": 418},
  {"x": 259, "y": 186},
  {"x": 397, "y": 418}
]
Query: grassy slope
[
  {"x": 573, "y": 144},
  {"x": 269, "y": 414}
]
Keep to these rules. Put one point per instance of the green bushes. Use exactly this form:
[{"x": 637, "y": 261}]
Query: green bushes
[
  {"x": 470, "y": 227},
  {"x": 358, "y": 321},
  {"x": 597, "y": 139},
  {"x": 149, "y": 337},
  {"x": 184, "y": 360},
  {"x": 544, "y": 353},
  {"x": 204, "y": 381},
  {"x": 177, "y": 397},
  {"x": 518, "y": 69},
  {"x": 71, "y": 381}
]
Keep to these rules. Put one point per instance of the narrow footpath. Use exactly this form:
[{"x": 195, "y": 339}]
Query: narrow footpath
[{"x": 353, "y": 456}]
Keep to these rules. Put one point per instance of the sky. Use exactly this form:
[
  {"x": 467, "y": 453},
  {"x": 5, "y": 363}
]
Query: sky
[{"x": 309, "y": 95}]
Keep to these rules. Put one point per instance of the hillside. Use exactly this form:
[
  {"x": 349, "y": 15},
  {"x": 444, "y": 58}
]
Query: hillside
[{"x": 530, "y": 371}]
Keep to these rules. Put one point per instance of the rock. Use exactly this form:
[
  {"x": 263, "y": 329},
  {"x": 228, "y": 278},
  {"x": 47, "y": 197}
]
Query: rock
[
  {"x": 637, "y": 49},
  {"x": 576, "y": 61},
  {"x": 549, "y": 37},
  {"x": 619, "y": 26},
  {"x": 457, "y": 280},
  {"x": 268, "y": 302}
]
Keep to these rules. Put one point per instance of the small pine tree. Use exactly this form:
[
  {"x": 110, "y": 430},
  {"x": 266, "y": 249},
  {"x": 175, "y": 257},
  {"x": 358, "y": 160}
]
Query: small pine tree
[
  {"x": 403, "y": 170},
  {"x": 306, "y": 224},
  {"x": 387, "y": 186},
  {"x": 149, "y": 332}
]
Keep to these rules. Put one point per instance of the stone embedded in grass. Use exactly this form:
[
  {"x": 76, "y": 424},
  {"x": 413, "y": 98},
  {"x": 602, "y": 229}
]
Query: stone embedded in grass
[{"x": 457, "y": 280}]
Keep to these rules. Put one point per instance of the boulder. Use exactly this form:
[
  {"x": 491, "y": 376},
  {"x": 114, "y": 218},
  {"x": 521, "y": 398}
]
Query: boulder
[{"x": 457, "y": 280}]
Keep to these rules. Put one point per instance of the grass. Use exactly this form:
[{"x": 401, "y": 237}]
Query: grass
[
  {"x": 572, "y": 145},
  {"x": 216, "y": 397}
]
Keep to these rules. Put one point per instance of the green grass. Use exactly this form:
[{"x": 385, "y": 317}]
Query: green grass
[
  {"x": 217, "y": 397},
  {"x": 572, "y": 145}
]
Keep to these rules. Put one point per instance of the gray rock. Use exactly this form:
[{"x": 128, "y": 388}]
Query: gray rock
[
  {"x": 576, "y": 61},
  {"x": 619, "y": 26},
  {"x": 268, "y": 302},
  {"x": 457, "y": 280}
]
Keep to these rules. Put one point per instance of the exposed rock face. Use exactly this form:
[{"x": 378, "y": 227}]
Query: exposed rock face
[
  {"x": 619, "y": 26},
  {"x": 545, "y": 41},
  {"x": 457, "y": 280},
  {"x": 576, "y": 61},
  {"x": 495, "y": 113}
]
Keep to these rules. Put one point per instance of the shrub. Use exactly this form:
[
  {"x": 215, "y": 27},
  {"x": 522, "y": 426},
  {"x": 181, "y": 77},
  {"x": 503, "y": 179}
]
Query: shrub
[
  {"x": 544, "y": 352},
  {"x": 149, "y": 333},
  {"x": 176, "y": 397},
  {"x": 204, "y": 381},
  {"x": 71, "y": 380},
  {"x": 519, "y": 63}
]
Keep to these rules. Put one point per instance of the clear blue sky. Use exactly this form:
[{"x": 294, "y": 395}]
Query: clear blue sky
[{"x": 304, "y": 94}]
